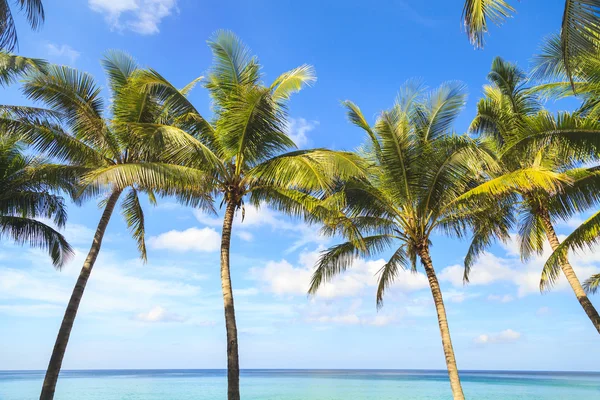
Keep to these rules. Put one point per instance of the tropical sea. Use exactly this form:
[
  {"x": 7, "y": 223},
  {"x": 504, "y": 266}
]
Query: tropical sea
[{"x": 302, "y": 385}]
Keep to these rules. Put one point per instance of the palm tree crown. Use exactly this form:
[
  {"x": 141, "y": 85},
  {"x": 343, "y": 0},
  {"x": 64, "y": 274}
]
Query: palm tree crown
[{"x": 510, "y": 117}]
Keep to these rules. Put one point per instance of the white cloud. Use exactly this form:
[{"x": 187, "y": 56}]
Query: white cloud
[
  {"x": 490, "y": 269},
  {"x": 114, "y": 287},
  {"x": 542, "y": 311},
  {"x": 192, "y": 239},
  {"x": 141, "y": 16},
  {"x": 507, "y": 298},
  {"x": 283, "y": 278},
  {"x": 505, "y": 336},
  {"x": 298, "y": 128},
  {"x": 159, "y": 314},
  {"x": 245, "y": 236},
  {"x": 64, "y": 51},
  {"x": 263, "y": 216}
]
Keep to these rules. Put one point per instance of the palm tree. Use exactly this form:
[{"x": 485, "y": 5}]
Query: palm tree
[
  {"x": 34, "y": 11},
  {"x": 508, "y": 116},
  {"x": 243, "y": 149},
  {"x": 579, "y": 29},
  {"x": 419, "y": 168},
  {"x": 113, "y": 156},
  {"x": 27, "y": 185}
]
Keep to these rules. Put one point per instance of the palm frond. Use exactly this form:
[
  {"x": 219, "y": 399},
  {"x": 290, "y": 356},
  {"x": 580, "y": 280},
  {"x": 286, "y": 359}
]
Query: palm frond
[
  {"x": 13, "y": 67},
  {"x": 37, "y": 234},
  {"x": 583, "y": 237},
  {"x": 292, "y": 81},
  {"x": 389, "y": 273},
  {"x": 134, "y": 218},
  {"x": 592, "y": 284},
  {"x": 338, "y": 258},
  {"x": 476, "y": 14}
]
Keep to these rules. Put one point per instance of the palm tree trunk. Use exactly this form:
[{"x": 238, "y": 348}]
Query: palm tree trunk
[
  {"x": 233, "y": 363},
  {"x": 67, "y": 323},
  {"x": 567, "y": 269},
  {"x": 457, "y": 391}
]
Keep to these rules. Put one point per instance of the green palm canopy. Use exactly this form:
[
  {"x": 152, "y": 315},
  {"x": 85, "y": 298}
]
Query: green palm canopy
[
  {"x": 579, "y": 28},
  {"x": 246, "y": 150},
  {"x": 523, "y": 136},
  {"x": 27, "y": 194},
  {"x": 110, "y": 152}
]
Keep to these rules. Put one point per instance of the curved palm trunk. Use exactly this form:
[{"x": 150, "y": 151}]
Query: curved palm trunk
[
  {"x": 67, "y": 323},
  {"x": 233, "y": 364},
  {"x": 567, "y": 269},
  {"x": 457, "y": 391}
]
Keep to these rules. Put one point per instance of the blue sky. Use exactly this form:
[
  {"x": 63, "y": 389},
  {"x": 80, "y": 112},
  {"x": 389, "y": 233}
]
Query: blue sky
[{"x": 168, "y": 313}]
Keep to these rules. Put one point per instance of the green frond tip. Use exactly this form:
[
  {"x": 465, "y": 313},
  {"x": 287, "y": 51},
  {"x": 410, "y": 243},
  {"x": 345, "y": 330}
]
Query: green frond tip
[
  {"x": 13, "y": 67},
  {"x": 592, "y": 284},
  {"x": 292, "y": 81},
  {"x": 477, "y": 13},
  {"x": 583, "y": 237}
]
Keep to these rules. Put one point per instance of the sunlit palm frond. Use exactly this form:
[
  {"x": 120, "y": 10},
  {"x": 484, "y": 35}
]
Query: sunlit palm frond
[
  {"x": 292, "y": 81},
  {"x": 583, "y": 237},
  {"x": 389, "y": 272},
  {"x": 134, "y": 218},
  {"x": 580, "y": 30},
  {"x": 12, "y": 66},
  {"x": 440, "y": 109},
  {"x": 338, "y": 258},
  {"x": 477, "y": 13}
]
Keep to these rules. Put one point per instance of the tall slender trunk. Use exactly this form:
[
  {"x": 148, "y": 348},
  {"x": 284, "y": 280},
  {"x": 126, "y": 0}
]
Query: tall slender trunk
[
  {"x": 457, "y": 391},
  {"x": 567, "y": 269},
  {"x": 233, "y": 363},
  {"x": 67, "y": 323}
]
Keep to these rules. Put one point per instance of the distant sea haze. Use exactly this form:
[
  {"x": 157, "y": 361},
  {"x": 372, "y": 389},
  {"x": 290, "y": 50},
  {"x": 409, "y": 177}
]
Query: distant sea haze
[{"x": 315, "y": 384}]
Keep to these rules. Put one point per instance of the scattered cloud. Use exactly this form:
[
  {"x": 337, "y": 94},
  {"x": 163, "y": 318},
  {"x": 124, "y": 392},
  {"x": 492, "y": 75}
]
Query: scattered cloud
[
  {"x": 263, "y": 216},
  {"x": 411, "y": 13},
  {"x": 283, "y": 278},
  {"x": 140, "y": 16},
  {"x": 298, "y": 128},
  {"x": 505, "y": 336},
  {"x": 490, "y": 269},
  {"x": 62, "y": 52},
  {"x": 507, "y": 298},
  {"x": 159, "y": 314},
  {"x": 192, "y": 239},
  {"x": 542, "y": 311},
  {"x": 245, "y": 236}
]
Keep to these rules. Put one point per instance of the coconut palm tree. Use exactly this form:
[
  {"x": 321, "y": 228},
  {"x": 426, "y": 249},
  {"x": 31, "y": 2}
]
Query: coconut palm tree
[
  {"x": 579, "y": 29},
  {"x": 27, "y": 187},
  {"x": 34, "y": 11},
  {"x": 508, "y": 116},
  {"x": 418, "y": 169},
  {"x": 247, "y": 141},
  {"x": 113, "y": 156}
]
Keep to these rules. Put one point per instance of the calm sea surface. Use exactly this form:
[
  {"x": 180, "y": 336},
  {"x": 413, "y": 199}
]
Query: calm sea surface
[{"x": 302, "y": 385}]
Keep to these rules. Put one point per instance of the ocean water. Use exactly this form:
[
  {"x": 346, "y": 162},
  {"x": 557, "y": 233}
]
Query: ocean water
[{"x": 302, "y": 385}]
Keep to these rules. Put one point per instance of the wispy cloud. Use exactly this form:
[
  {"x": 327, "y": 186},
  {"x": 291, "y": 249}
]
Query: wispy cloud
[
  {"x": 62, "y": 52},
  {"x": 159, "y": 314},
  {"x": 140, "y": 16},
  {"x": 505, "y": 336},
  {"x": 412, "y": 14},
  {"x": 298, "y": 129}
]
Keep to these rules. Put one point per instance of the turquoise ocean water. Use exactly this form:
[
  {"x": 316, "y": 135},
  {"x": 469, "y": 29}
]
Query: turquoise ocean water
[{"x": 302, "y": 385}]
